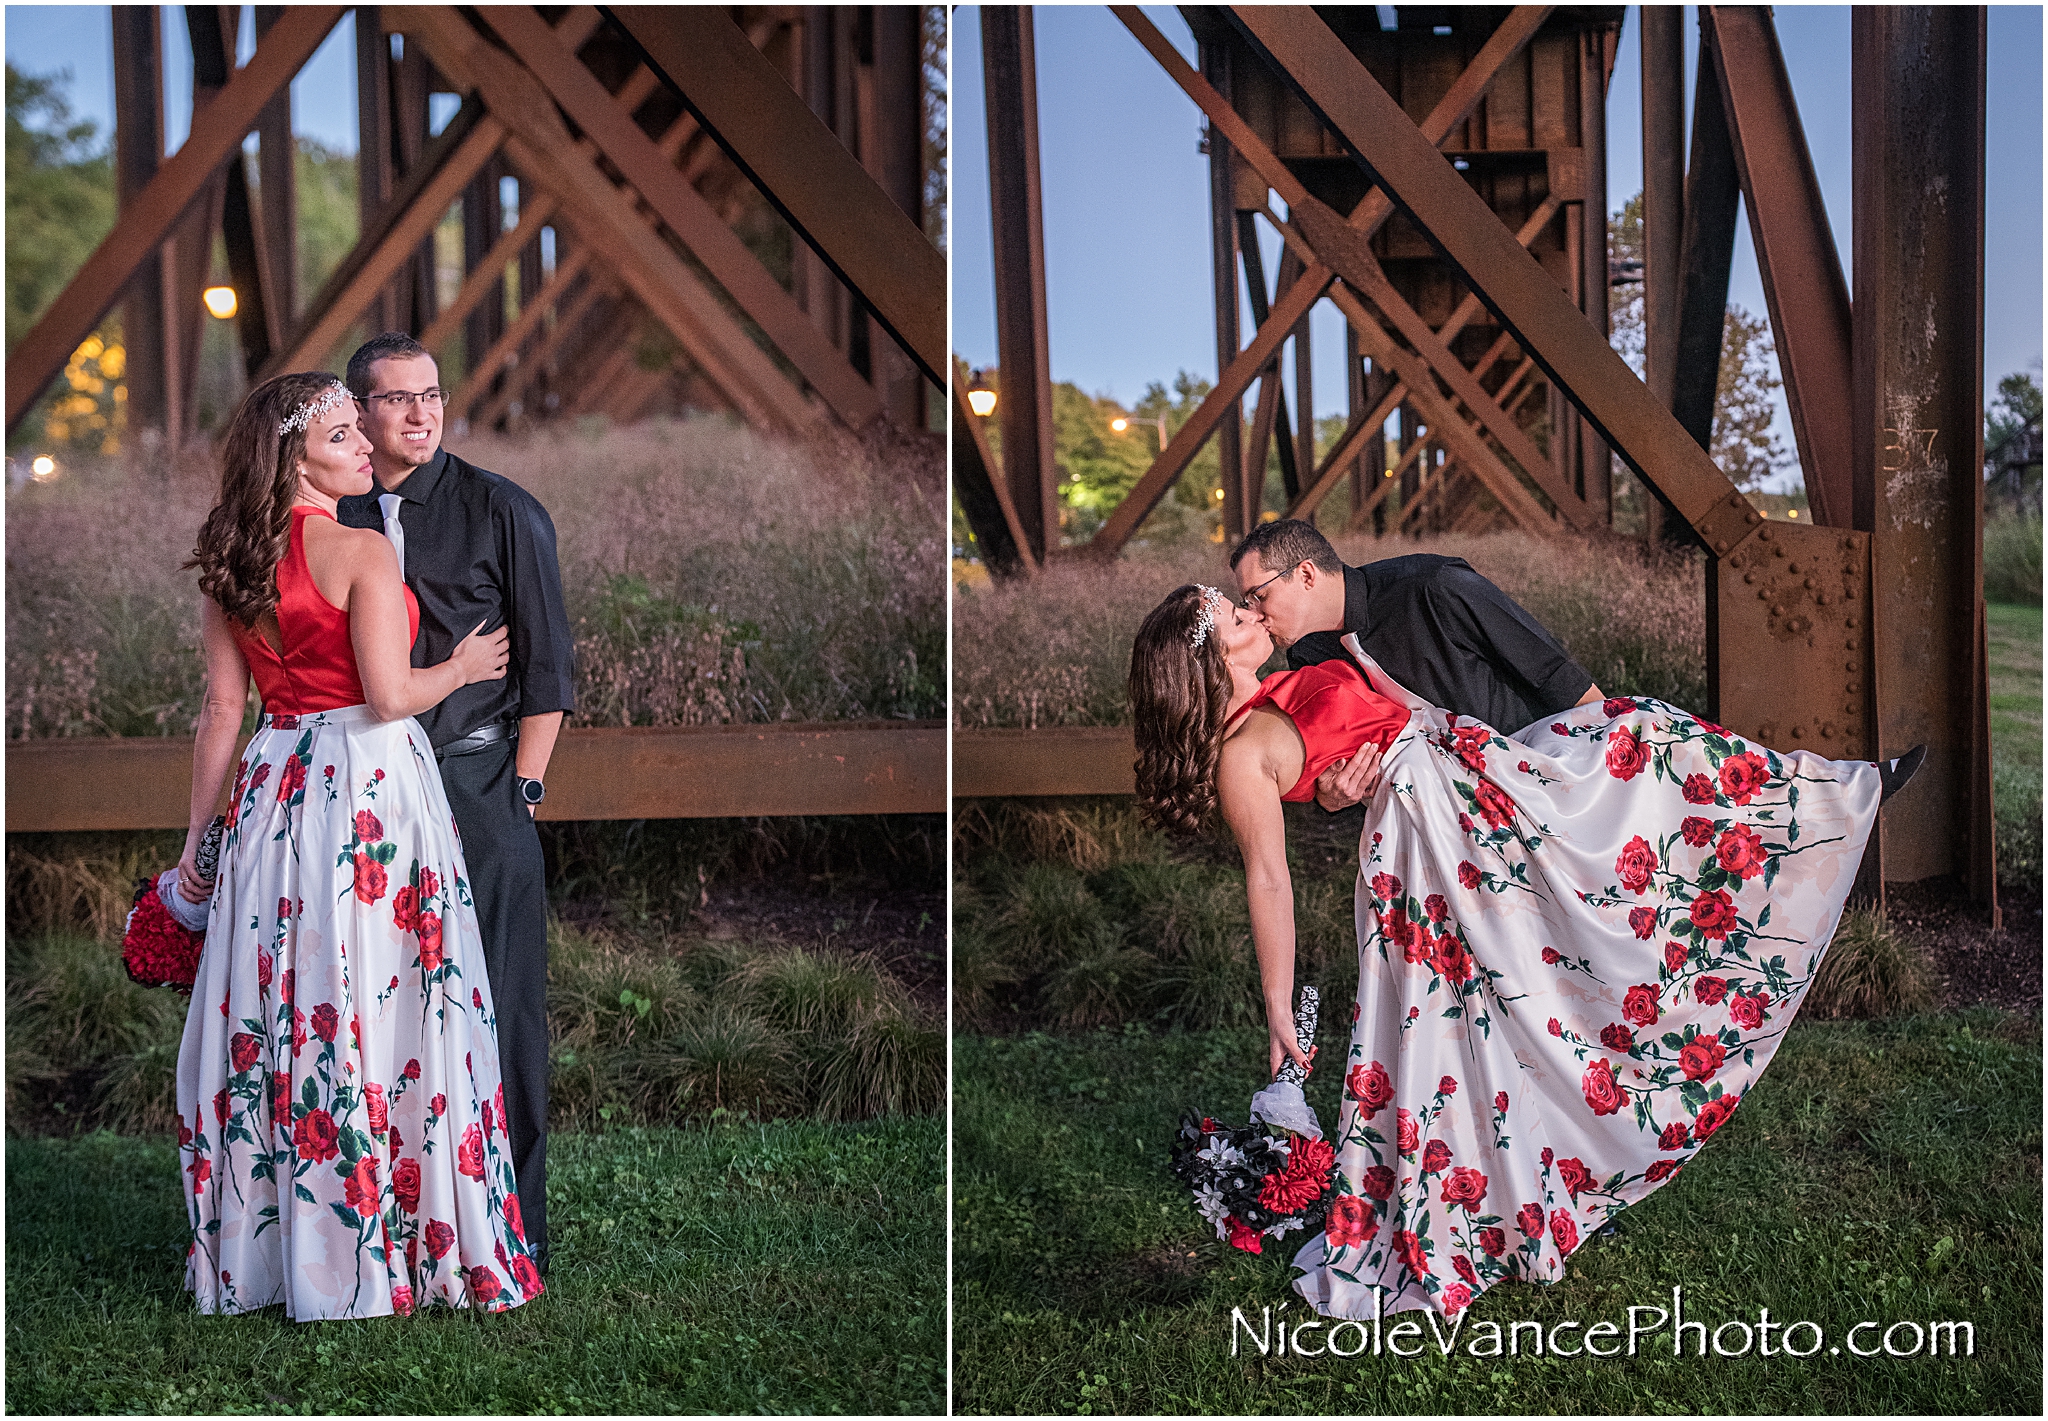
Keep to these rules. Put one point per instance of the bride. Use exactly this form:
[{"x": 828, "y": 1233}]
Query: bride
[
  {"x": 340, "y": 1120},
  {"x": 1578, "y": 948}
]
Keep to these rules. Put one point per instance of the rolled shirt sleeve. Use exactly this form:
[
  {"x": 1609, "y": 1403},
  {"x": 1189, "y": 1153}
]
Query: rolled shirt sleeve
[{"x": 542, "y": 648}]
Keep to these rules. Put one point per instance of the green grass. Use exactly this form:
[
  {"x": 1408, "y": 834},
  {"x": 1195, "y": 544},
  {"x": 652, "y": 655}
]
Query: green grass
[
  {"x": 786, "y": 1267},
  {"x": 1883, "y": 1170},
  {"x": 2013, "y": 635}
]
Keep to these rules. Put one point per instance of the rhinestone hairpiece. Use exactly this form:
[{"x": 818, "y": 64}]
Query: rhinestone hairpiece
[
  {"x": 1206, "y": 618},
  {"x": 312, "y": 409}
]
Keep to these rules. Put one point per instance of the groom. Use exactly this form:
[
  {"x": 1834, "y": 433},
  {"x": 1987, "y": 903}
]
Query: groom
[
  {"x": 477, "y": 548},
  {"x": 1438, "y": 627}
]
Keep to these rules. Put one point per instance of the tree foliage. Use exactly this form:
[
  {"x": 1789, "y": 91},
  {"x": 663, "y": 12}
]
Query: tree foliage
[
  {"x": 60, "y": 195},
  {"x": 2012, "y": 444}
]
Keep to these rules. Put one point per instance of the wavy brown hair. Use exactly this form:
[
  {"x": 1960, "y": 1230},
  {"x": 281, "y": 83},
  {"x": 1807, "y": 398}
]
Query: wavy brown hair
[
  {"x": 1180, "y": 694},
  {"x": 249, "y": 529}
]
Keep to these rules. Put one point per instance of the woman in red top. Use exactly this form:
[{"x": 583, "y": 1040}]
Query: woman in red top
[
  {"x": 340, "y": 1118},
  {"x": 1578, "y": 948}
]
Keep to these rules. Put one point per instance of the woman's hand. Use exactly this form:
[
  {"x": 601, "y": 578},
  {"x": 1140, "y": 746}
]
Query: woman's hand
[
  {"x": 191, "y": 887},
  {"x": 1281, "y": 1046},
  {"x": 481, "y": 656}
]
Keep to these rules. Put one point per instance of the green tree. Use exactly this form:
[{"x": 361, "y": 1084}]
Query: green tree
[
  {"x": 60, "y": 195},
  {"x": 2012, "y": 443}
]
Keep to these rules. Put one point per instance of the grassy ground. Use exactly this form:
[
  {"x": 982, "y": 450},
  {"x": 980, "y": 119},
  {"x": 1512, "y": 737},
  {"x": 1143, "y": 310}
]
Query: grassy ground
[
  {"x": 1883, "y": 1171},
  {"x": 2014, "y": 638},
  {"x": 788, "y": 1267}
]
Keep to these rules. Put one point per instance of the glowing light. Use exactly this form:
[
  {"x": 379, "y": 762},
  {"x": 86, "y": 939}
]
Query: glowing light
[
  {"x": 1219, "y": 495},
  {"x": 44, "y": 468},
  {"x": 1120, "y": 424},
  {"x": 1793, "y": 514},
  {"x": 982, "y": 402},
  {"x": 220, "y": 301}
]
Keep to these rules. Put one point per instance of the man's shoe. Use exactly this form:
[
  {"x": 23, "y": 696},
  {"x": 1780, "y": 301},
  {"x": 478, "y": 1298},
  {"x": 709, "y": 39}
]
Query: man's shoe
[{"x": 1893, "y": 774}]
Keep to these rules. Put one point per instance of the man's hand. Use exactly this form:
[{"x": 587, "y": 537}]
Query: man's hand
[{"x": 1349, "y": 782}]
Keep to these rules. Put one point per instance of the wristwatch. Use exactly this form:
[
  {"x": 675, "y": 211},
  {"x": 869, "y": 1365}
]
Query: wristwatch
[{"x": 531, "y": 791}]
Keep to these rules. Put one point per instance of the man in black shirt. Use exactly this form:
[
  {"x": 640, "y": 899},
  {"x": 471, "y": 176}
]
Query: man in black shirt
[
  {"x": 477, "y": 549},
  {"x": 1438, "y": 628}
]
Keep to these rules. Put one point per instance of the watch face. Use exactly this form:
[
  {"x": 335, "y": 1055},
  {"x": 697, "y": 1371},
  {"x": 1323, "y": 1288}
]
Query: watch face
[{"x": 532, "y": 791}]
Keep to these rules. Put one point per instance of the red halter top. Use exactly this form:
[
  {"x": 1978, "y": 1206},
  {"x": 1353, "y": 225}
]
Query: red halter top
[{"x": 1336, "y": 711}]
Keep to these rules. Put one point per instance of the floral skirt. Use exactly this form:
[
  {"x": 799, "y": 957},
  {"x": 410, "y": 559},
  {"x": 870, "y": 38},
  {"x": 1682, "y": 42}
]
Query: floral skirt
[
  {"x": 1578, "y": 949},
  {"x": 341, "y": 1122}
]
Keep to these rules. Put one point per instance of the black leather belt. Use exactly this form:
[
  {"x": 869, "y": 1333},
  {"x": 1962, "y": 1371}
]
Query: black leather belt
[{"x": 479, "y": 738}]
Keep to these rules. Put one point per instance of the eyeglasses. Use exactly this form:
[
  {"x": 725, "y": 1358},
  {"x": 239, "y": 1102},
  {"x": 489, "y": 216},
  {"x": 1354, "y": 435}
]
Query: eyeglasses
[
  {"x": 396, "y": 400},
  {"x": 1250, "y": 601}
]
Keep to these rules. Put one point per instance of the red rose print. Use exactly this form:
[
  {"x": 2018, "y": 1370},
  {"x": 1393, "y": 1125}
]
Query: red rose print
[
  {"x": 397, "y": 1140},
  {"x": 405, "y": 1185},
  {"x": 489, "y": 1128},
  {"x": 202, "y": 1170},
  {"x": 430, "y": 942},
  {"x": 379, "y": 1111},
  {"x": 1494, "y": 1241},
  {"x": 1603, "y": 1093},
  {"x": 1625, "y": 755},
  {"x": 1558, "y": 727},
  {"x": 1522, "y": 767},
  {"x": 1700, "y": 1057},
  {"x": 1713, "y": 914},
  {"x": 256, "y": 780},
  {"x": 470, "y": 1158},
  {"x": 220, "y": 1106},
  {"x": 281, "y": 1099},
  {"x": 527, "y": 1276},
  {"x": 401, "y": 1299},
  {"x": 440, "y": 1238},
  {"x": 1406, "y": 1136},
  {"x": 1405, "y": 934},
  {"x": 1465, "y": 1188},
  {"x": 1551, "y": 957},
  {"x": 367, "y": 827},
  {"x": 1674, "y": 957},
  {"x": 1698, "y": 789},
  {"x": 1351, "y": 1221},
  {"x": 476, "y": 997},
  {"x": 292, "y": 779},
  {"x": 1675, "y": 1137},
  {"x": 1447, "y": 1086},
  {"x": 1616, "y": 705},
  {"x": 1714, "y": 1114},
  {"x": 1378, "y": 1182},
  {"x": 1471, "y": 747},
  {"x": 1616, "y": 1037},
  {"x": 1708, "y": 991},
  {"x": 438, "y": 1106},
  {"x": 1451, "y": 959},
  {"x": 484, "y": 1284},
  {"x": 1640, "y": 1007},
  {"x": 412, "y": 1070},
  {"x": 1556, "y": 1027},
  {"x": 1386, "y": 887},
  {"x": 1436, "y": 908},
  {"x": 1243, "y": 1236},
  {"x": 1660, "y": 1170},
  {"x": 1743, "y": 775},
  {"x": 1529, "y": 1219},
  {"x": 405, "y": 908},
  {"x": 1370, "y": 1087},
  {"x": 378, "y": 776},
  {"x": 1436, "y": 1157},
  {"x": 265, "y": 965},
  {"x": 326, "y": 1021},
  {"x": 1468, "y": 875},
  {"x": 243, "y": 1049},
  {"x": 1643, "y": 922},
  {"x": 316, "y": 1137},
  {"x": 1575, "y": 1175},
  {"x": 1697, "y": 831},
  {"x": 1565, "y": 1230},
  {"x": 1464, "y": 1266},
  {"x": 429, "y": 884},
  {"x": 1741, "y": 852},
  {"x": 1494, "y": 805},
  {"x": 286, "y": 985},
  {"x": 516, "y": 1225},
  {"x": 1408, "y": 1248},
  {"x": 1456, "y": 1298},
  {"x": 1500, "y": 1101},
  {"x": 360, "y": 1192},
  {"x": 369, "y": 879},
  {"x": 499, "y": 1096},
  {"x": 1745, "y": 1011},
  {"x": 1637, "y": 862}
]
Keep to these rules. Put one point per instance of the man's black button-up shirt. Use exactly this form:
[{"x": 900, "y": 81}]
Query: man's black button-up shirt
[
  {"x": 480, "y": 549},
  {"x": 1452, "y": 638}
]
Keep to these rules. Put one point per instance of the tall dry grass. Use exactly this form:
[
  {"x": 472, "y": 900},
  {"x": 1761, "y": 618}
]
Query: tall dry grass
[
  {"x": 1056, "y": 650},
  {"x": 712, "y": 575}
]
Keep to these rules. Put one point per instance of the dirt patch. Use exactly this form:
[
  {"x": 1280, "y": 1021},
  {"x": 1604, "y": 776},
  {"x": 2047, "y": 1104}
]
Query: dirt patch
[
  {"x": 1973, "y": 965},
  {"x": 903, "y": 929}
]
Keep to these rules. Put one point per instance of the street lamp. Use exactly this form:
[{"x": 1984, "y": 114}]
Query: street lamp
[
  {"x": 1124, "y": 421},
  {"x": 220, "y": 302},
  {"x": 980, "y": 398}
]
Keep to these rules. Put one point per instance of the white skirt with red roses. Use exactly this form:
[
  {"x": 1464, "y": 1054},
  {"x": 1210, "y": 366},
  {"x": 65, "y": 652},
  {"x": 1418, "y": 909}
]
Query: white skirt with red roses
[
  {"x": 1578, "y": 949},
  {"x": 341, "y": 1124}
]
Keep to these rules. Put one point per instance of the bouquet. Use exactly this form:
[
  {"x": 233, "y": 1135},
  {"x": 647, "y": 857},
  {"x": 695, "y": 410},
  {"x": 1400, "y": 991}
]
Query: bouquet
[
  {"x": 164, "y": 933},
  {"x": 1275, "y": 1174}
]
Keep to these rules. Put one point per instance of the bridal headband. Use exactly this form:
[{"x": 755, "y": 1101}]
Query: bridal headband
[
  {"x": 1206, "y": 618},
  {"x": 312, "y": 409}
]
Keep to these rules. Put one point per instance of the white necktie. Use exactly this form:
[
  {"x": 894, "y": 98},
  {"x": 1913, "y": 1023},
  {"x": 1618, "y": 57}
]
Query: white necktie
[{"x": 393, "y": 529}]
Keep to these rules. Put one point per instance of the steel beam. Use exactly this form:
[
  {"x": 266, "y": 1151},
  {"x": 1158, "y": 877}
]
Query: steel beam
[
  {"x": 1795, "y": 252},
  {"x": 376, "y": 179},
  {"x": 534, "y": 213},
  {"x": 1017, "y": 229},
  {"x": 476, "y": 383},
  {"x": 1663, "y": 85},
  {"x": 1223, "y": 294},
  {"x": 801, "y": 168},
  {"x": 985, "y": 495},
  {"x": 1712, "y": 193},
  {"x": 181, "y": 178},
  {"x": 530, "y": 367},
  {"x": 1595, "y": 481},
  {"x": 138, "y": 149},
  {"x": 610, "y": 127},
  {"x": 1918, "y": 91}
]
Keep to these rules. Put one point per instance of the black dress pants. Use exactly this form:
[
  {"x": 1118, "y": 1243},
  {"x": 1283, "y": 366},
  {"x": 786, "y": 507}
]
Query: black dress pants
[{"x": 506, "y": 882}]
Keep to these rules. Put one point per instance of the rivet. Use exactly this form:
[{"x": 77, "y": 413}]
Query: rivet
[
  {"x": 1850, "y": 644},
  {"x": 1792, "y": 567},
  {"x": 1827, "y": 731},
  {"x": 1721, "y": 545},
  {"x": 1765, "y": 536},
  {"x": 1777, "y": 609},
  {"x": 1809, "y": 581},
  {"x": 1755, "y": 516},
  {"x": 1778, "y": 552},
  {"x": 1822, "y": 599},
  {"x": 1850, "y": 664},
  {"x": 1798, "y": 732},
  {"x": 1749, "y": 577},
  {"x": 1849, "y": 622},
  {"x": 1763, "y": 594}
]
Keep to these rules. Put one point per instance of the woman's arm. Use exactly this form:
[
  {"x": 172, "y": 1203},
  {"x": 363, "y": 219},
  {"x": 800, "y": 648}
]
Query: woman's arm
[
  {"x": 379, "y": 631},
  {"x": 1250, "y": 796},
  {"x": 219, "y": 726}
]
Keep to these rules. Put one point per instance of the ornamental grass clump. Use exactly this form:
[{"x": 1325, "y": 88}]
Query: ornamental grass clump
[{"x": 1870, "y": 971}]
